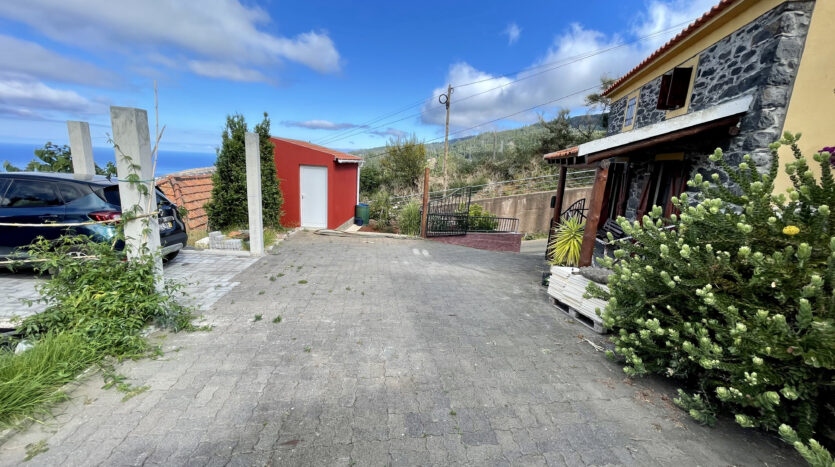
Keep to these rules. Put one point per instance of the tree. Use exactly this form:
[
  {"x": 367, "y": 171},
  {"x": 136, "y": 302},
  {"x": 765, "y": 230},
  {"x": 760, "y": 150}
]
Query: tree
[
  {"x": 597, "y": 101},
  {"x": 559, "y": 134},
  {"x": 228, "y": 206},
  {"x": 404, "y": 162},
  {"x": 54, "y": 158},
  {"x": 270, "y": 191},
  {"x": 371, "y": 179},
  {"x": 735, "y": 296}
]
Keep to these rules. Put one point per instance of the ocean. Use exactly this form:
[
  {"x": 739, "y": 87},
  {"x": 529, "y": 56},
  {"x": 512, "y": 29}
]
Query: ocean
[{"x": 168, "y": 162}]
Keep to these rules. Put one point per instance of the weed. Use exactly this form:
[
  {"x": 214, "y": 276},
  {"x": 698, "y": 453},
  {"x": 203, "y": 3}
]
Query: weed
[
  {"x": 277, "y": 319},
  {"x": 113, "y": 379},
  {"x": 281, "y": 274},
  {"x": 453, "y": 413},
  {"x": 273, "y": 278},
  {"x": 299, "y": 268},
  {"x": 302, "y": 281},
  {"x": 257, "y": 318},
  {"x": 348, "y": 289},
  {"x": 362, "y": 293},
  {"x": 33, "y": 449},
  {"x": 261, "y": 292},
  {"x": 307, "y": 348}
]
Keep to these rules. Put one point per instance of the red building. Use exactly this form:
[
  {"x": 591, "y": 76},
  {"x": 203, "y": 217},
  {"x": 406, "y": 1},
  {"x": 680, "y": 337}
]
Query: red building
[{"x": 320, "y": 185}]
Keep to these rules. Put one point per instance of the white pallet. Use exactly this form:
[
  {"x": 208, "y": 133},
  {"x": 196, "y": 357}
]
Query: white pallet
[{"x": 566, "y": 288}]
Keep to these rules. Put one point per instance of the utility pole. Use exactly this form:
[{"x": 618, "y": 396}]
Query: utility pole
[{"x": 444, "y": 99}]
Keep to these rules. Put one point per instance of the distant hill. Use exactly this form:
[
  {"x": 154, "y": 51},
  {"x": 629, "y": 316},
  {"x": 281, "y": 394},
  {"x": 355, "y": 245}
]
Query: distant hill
[{"x": 495, "y": 143}]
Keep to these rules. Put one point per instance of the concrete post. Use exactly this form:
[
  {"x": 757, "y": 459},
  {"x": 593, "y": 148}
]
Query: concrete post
[
  {"x": 81, "y": 148},
  {"x": 253, "y": 194},
  {"x": 132, "y": 143}
]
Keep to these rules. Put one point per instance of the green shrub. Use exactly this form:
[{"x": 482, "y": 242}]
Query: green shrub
[
  {"x": 481, "y": 219},
  {"x": 380, "y": 208},
  {"x": 107, "y": 300},
  {"x": 566, "y": 242},
  {"x": 737, "y": 300},
  {"x": 408, "y": 220},
  {"x": 30, "y": 380}
]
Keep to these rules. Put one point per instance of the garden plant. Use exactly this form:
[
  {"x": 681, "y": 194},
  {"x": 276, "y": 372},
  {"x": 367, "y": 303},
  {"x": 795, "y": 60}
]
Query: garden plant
[{"x": 736, "y": 299}]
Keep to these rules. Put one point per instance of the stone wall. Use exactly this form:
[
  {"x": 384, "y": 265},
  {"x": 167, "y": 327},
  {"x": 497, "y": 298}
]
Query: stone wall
[
  {"x": 533, "y": 209},
  {"x": 760, "y": 58},
  {"x": 485, "y": 241}
]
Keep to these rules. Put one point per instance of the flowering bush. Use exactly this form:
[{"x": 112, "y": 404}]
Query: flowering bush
[{"x": 737, "y": 299}]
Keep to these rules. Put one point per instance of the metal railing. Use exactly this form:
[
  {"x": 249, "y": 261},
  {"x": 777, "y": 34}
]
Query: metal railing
[{"x": 493, "y": 224}]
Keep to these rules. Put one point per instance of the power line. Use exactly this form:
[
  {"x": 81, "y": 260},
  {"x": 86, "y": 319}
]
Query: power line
[
  {"x": 551, "y": 66},
  {"x": 382, "y": 153}
]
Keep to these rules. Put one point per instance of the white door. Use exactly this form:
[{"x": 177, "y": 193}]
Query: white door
[{"x": 314, "y": 196}]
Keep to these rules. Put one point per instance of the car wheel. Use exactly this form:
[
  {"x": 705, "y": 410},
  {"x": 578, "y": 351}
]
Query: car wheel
[{"x": 171, "y": 256}]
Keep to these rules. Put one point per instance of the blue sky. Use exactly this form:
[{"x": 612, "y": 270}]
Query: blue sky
[{"x": 320, "y": 68}]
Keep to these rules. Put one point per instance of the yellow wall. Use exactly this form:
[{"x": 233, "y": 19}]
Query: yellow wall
[
  {"x": 715, "y": 30},
  {"x": 812, "y": 106}
]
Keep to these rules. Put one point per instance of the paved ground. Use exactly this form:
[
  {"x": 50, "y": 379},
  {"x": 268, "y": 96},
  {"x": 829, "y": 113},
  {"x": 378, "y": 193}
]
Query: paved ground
[
  {"x": 393, "y": 352},
  {"x": 534, "y": 247},
  {"x": 209, "y": 277}
]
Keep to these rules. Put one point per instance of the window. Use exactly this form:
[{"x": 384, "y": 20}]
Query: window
[
  {"x": 73, "y": 191},
  {"x": 630, "y": 113},
  {"x": 675, "y": 88},
  {"x": 26, "y": 194}
]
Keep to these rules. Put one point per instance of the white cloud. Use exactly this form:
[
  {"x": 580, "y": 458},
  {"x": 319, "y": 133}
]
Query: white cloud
[
  {"x": 24, "y": 98},
  {"x": 512, "y": 32},
  {"x": 319, "y": 125},
  {"x": 228, "y": 71},
  {"x": 577, "y": 64},
  {"x": 393, "y": 132},
  {"x": 223, "y": 31},
  {"x": 24, "y": 58}
]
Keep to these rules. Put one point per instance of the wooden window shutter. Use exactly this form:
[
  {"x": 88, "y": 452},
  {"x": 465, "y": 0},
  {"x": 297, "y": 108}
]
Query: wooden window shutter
[
  {"x": 665, "y": 91},
  {"x": 679, "y": 87}
]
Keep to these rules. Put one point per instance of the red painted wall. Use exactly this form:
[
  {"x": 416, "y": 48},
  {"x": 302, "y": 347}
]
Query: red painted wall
[{"x": 342, "y": 182}]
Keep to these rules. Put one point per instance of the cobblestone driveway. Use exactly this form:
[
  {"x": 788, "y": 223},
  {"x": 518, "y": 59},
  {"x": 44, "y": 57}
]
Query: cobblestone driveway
[{"x": 389, "y": 352}]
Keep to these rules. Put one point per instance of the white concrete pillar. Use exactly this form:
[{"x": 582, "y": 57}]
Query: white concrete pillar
[
  {"x": 81, "y": 148},
  {"x": 253, "y": 194},
  {"x": 132, "y": 143}
]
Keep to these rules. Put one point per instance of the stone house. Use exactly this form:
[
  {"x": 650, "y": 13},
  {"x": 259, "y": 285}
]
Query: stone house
[{"x": 735, "y": 79}]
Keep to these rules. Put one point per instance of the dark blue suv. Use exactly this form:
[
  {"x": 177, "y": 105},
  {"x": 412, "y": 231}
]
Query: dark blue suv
[{"x": 39, "y": 198}]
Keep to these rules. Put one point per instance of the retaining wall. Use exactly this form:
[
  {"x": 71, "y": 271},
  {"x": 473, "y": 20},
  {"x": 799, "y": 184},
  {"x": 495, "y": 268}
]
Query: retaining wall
[
  {"x": 533, "y": 209},
  {"x": 485, "y": 241}
]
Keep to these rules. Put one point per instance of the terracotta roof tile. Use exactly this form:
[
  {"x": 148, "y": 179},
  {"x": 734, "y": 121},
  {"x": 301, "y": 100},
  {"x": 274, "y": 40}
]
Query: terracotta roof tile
[
  {"x": 562, "y": 153},
  {"x": 695, "y": 25}
]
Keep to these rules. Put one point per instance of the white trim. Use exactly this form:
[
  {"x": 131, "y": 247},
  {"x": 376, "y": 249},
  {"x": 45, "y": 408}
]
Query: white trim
[
  {"x": 349, "y": 161},
  {"x": 734, "y": 107}
]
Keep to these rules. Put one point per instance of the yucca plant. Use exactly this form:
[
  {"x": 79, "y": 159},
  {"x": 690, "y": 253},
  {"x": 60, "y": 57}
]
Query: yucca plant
[{"x": 566, "y": 242}]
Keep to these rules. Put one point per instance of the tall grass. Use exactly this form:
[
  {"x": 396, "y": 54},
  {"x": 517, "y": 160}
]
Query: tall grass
[{"x": 30, "y": 381}]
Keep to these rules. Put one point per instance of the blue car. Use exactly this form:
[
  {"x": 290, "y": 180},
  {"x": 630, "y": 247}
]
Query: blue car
[{"x": 40, "y": 198}]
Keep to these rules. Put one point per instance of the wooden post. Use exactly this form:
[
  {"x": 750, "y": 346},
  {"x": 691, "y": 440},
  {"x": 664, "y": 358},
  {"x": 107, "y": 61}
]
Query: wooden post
[
  {"x": 560, "y": 192},
  {"x": 598, "y": 192},
  {"x": 425, "y": 202}
]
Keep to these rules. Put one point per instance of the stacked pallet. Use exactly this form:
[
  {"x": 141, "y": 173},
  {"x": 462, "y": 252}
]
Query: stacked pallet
[{"x": 566, "y": 288}]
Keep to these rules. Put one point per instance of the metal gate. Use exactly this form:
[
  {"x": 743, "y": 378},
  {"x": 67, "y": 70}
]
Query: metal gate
[{"x": 449, "y": 215}]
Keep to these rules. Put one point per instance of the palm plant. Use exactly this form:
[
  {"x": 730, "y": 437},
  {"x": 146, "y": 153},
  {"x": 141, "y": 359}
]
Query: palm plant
[{"x": 565, "y": 244}]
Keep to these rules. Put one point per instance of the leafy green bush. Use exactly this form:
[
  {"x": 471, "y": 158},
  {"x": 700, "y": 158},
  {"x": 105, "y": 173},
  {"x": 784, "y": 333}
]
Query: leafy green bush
[
  {"x": 408, "y": 220},
  {"x": 566, "y": 242},
  {"x": 107, "y": 300},
  {"x": 737, "y": 298},
  {"x": 31, "y": 379},
  {"x": 380, "y": 208},
  {"x": 481, "y": 219}
]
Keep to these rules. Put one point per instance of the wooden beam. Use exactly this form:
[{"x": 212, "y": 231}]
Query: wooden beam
[
  {"x": 665, "y": 138},
  {"x": 560, "y": 192},
  {"x": 598, "y": 192}
]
